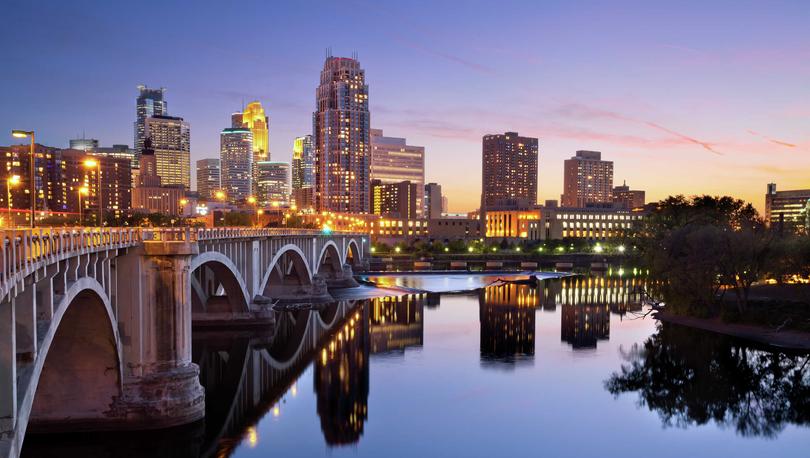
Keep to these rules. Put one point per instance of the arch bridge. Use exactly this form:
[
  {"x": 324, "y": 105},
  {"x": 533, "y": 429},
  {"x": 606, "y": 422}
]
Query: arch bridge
[{"x": 96, "y": 324}]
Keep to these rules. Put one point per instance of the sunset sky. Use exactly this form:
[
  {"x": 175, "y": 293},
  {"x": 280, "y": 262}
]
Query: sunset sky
[{"x": 688, "y": 97}]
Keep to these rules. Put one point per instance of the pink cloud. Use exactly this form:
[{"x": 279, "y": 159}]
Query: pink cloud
[{"x": 772, "y": 140}]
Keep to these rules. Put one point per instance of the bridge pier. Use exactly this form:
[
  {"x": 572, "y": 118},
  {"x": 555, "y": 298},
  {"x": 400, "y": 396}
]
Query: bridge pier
[
  {"x": 161, "y": 385},
  {"x": 8, "y": 371}
]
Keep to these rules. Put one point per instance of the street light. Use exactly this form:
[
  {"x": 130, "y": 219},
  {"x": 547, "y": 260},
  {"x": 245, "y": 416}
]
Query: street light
[
  {"x": 96, "y": 164},
  {"x": 85, "y": 191},
  {"x": 220, "y": 195},
  {"x": 183, "y": 202},
  {"x": 252, "y": 201},
  {"x": 13, "y": 180},
  {"x": 32, "y": 187}
]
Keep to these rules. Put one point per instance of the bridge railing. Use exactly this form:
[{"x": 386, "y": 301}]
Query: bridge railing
[{"x": 22, "y": 250}]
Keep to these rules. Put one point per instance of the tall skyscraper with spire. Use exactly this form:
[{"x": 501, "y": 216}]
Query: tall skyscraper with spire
[
  {"x": 148, "y": 104},
  {"x": 341, "y": 127}
]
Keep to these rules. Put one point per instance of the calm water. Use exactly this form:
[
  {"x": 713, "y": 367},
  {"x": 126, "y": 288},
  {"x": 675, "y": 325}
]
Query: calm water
[{"x": 567, "y": 369}]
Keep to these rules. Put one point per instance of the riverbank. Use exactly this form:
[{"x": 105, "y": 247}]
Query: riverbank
[{"x": 783, "y": 339}]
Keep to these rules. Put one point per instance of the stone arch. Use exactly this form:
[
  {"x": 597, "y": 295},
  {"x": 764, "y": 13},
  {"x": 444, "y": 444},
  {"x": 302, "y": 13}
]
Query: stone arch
[
  {"x": 217, "y": 286},
  {"x": 330, "y": 262},
  {"x": 352, "y": 256},
  {"x": 288, "y": 275},
  {"x": 81, "y": 345}
]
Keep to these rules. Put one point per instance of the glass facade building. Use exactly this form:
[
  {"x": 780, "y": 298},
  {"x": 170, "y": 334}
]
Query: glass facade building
[{"x": 236, "y": 159}]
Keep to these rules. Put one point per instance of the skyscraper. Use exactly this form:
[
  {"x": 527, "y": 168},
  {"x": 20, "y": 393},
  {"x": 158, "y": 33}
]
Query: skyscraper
[
  {"x": 509, "y": 172},
  {"x": 394, "y": 161},
  {"x": 303, "y": 163},
  {"x": 171, "y": 141},
  {"x": 208, "y": 178},
  {"x": 341, "y": 137},
  {"x": 434, "y": 206},
  {"x": 236, "y": 159},
  {"x": 149, "y": 103},
  {"x": 273, "y": 183},
  {"x": 588, "y": 180},
  {"x": 303, "y": 172}
]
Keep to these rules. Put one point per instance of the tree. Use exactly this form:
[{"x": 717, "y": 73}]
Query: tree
[{"x": 701, "y": 246}]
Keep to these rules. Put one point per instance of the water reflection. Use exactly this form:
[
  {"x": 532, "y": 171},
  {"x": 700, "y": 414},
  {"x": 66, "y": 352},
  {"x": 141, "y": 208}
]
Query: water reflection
[
  {"x": 506, "y": 315},
  {"x": 689, "y": 377},
  {"x": 587, "y": 303},
  {"x": 396, "y": 323}
]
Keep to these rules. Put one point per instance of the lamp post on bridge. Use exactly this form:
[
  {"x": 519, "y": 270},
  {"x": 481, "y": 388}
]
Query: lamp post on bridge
[
  {"x": 90, "y": 164},
  {"x": 11, "y": 181}
]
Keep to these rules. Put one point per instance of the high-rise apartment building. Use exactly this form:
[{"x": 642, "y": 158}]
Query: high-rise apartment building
[
  {"x": 273, "y": 183},
  {"x": 236, "y": 162},
  {"x": 434, "y": 206},
  {"x": 624, "y": 197},
  {"x": 171, "y": 142},
  {"x": 341, "y": 137},
  {"x": 394, "y": 200},
  {"x": 116, "y": 184},
  {"x": 509, "y": 171},
  {"x": 148, "y": 104},
  {"x": 788, "y": 211},
  {"x": 394, "y": 161},
  {"x": 587, "y": 181},
  {"x": 208, "y": 178}
]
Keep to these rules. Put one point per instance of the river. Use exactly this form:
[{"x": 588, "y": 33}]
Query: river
[{"x": 570, "y": 368}]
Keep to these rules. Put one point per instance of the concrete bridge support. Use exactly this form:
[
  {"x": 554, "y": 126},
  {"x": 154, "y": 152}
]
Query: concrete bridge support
[{"x": 160, "y": 385}]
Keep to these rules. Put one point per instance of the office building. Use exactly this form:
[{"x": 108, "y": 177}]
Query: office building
[
  {"x": 509, "y": 224},
  {"x": 148, "y": 104},
  {"x": 589, "y": 223},
  {"x": 303, "y": 163},
  {"x": 395, "y": 200},
  {"x": 587, "y": 180},
  {"x": 624, "y": 197},
  {"x": 341, "y": 138},
  {"x": 236, "y": 162},
  {"x": 150, "y": 195},
  {"x": 394, "y": 161},
  {"x": 433, "y": 201},
  {"x": 171, "y": 141},
  {"x": 788, "y": 211},
  {"x": 509, "y": 172},
  {"x": 273, "y": 183},
  {"x": 84, "y": 144},
  {"x": 208, "y": 178}
]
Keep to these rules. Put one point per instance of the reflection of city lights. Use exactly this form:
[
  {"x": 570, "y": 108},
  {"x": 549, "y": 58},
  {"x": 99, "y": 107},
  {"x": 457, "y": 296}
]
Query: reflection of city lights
[{"x": 253, "y": 437}]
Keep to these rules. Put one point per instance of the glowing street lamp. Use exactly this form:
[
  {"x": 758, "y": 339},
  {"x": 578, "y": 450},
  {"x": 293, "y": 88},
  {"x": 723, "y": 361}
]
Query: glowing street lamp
[
  {"x": 220, "y": 195},
  {"x": 183, "y": 202},
  {"x": 96, "y": 164},
  {"x": 32, "y": 186},
  {"x": 13, "y": 180},
  {"x": 621, "y": 248},
  {"x": 252, "y": 201}
]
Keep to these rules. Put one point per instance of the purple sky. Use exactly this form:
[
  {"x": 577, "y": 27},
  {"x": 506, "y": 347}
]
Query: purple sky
[{"x": 687, "y": 97}]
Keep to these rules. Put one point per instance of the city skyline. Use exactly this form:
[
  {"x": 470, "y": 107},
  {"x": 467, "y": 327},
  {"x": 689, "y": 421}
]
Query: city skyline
[{"x": 651, "y": 91}]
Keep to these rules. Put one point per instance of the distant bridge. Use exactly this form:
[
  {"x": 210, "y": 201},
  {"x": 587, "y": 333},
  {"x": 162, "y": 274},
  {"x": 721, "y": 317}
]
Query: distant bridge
[{"x": 95, "y": 324}]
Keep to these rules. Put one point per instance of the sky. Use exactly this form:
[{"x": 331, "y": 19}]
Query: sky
[{"x": 686, "y": 97}]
